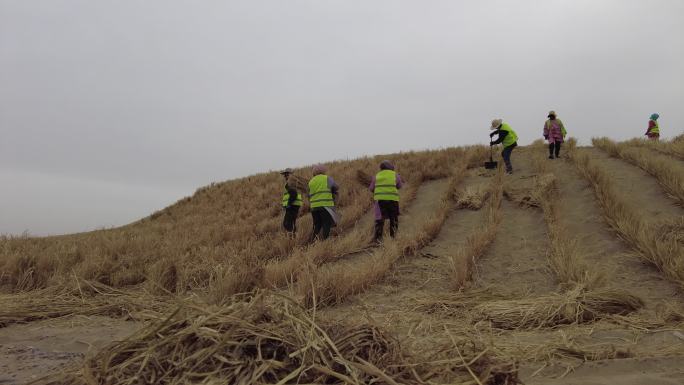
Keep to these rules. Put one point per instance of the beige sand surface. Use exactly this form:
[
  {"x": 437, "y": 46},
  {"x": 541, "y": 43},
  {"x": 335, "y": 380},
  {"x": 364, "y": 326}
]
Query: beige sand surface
[{"x": 33, "y": 350}]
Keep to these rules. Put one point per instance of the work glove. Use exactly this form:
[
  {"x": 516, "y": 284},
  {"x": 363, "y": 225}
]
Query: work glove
[{"x": 546, "y": 137}]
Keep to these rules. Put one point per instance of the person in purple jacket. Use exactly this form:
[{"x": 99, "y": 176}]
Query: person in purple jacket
[{"x": 385, "y": 186}]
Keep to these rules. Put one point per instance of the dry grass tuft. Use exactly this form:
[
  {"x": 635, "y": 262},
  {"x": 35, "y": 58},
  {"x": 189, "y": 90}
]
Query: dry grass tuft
[
  {"x": 573, "y": 306},
  {"x": 472, "y": 197}
]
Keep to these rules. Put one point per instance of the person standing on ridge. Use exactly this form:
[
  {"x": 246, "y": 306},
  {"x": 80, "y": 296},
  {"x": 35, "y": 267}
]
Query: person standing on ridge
[
  {"x": 653, "y": 131},
  {"x": 554, "y": 133},
  {"x": 385, "y": 186},
  {"x": 322, "y": 196},
  {"x": 291, "y": 201},
  {"x": 507, "y": 137}
]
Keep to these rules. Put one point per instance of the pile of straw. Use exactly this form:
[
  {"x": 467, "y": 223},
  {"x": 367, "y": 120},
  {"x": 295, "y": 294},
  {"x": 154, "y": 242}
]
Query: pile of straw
[
  {"x": 473, "y": 197},
  {"x": 84, "y": 298},
  {"x": 363, "y": 178},
  {"x": 573, "y": 306},
  {"x": 524, "y": 197},
  {"x": 299, "y": 183},
  {"x": 257, "y": 339}
]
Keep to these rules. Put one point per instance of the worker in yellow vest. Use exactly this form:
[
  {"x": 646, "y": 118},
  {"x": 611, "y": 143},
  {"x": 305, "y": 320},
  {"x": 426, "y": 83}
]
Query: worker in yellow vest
[
  {"x": 291, "y": 201},
  {"x": 385, "y": 186},
  {"x": 507, "y": 137},
  {"x": 322, "y": 197},
  {"x": 653, "y": 131}
]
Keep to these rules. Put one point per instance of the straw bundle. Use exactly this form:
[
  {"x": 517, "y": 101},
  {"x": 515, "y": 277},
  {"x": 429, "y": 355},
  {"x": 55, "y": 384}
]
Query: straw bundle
[
  {"x": 88, "y": 298},
  {"x": 363, "y": 178},
  {"x": 525, "y": 197},
  {"x": 574, "y": 306},
  {"x": 258, "y": 339},
  {"x": 473, "y": 197},
  {"x": 299, "y": 183}
]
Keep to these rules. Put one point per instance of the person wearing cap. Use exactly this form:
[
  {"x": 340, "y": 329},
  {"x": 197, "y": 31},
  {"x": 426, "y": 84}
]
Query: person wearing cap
[
  {"x": 291, "y": 201},
  {"x": 507, "y": 137},
  {"x": 554, "y": 133},
  {"x": 653, "y": 131},
  {"x": 385, "y": 186},
  {"x": 322, "y": 196}
]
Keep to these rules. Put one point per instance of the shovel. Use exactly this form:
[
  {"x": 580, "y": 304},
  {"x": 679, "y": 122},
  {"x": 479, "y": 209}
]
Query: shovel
[{"x": 491, "y": 164}]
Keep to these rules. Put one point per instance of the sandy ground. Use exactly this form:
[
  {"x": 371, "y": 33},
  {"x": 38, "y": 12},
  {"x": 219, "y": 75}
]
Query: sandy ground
[
  {"x": 629, "y": 371},
  {"x": 33, "y": 350}
]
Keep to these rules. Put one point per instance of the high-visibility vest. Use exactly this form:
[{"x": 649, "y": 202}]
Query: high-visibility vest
[
  {"x": 655, "y": 129},
  {"x": 386, "y": 186},
  {"x": 286, "y": 199},
  {"x": 511, "y": 138},
  {"x": 319, "y": 192}
]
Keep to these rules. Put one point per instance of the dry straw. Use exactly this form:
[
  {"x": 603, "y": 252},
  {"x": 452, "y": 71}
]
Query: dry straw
[
  {"x": 669, "y": 174},
  {"x": 82, "y": 298},
  {"x": 462, "y": 262},
  {"x": 472, "y": 197},
  {"x": 565, "y": 258},
  {"x": 256, "y": 339},
  {"x": 334, "y": 284},
  {"x": 674, "y": 147},
  {"x": 265, "y": 338},
  {"x": 663, "y": 250},
  {"x": 573, "y": 306}
]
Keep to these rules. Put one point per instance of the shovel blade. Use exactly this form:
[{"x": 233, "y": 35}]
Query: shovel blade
[{"x": 491, "y": 165}]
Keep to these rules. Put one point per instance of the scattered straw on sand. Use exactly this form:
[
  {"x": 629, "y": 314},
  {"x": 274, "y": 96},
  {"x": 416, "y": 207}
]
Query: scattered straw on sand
[
  {"x": 258, "y": 339},
  {"x": 573, "y": 306},
  {"x": 473, "y": 196},
  {"x": 266, "y": 338},
  {"x": 85, "y": 298}
]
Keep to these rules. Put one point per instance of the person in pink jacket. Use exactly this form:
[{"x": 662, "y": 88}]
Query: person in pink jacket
[{"x": 554, "y": 133}]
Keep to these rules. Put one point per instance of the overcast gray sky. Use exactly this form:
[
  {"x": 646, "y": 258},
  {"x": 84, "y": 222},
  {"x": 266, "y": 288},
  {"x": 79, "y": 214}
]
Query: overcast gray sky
[{"x": 110, "y": 110}]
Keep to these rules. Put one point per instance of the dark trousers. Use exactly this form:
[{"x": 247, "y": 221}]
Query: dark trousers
[
  {"x": 506, "y": 155},
  {"x": 322, "y": 222},
  {"x": 290, "y": 219},
  {"x": 389, "y": 210},
  {"x": 554, "y": 147}
]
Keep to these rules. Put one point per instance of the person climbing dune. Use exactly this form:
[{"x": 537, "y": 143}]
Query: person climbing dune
[
  {"x": 322, "y": 196},
  {"x": 653, "y": 130},
  {"x": 291, "y": 201},
  {"x": 554, "y": 133},
  {"x": 507, "y": 137},
  {"x": 385, "y": 186}
]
